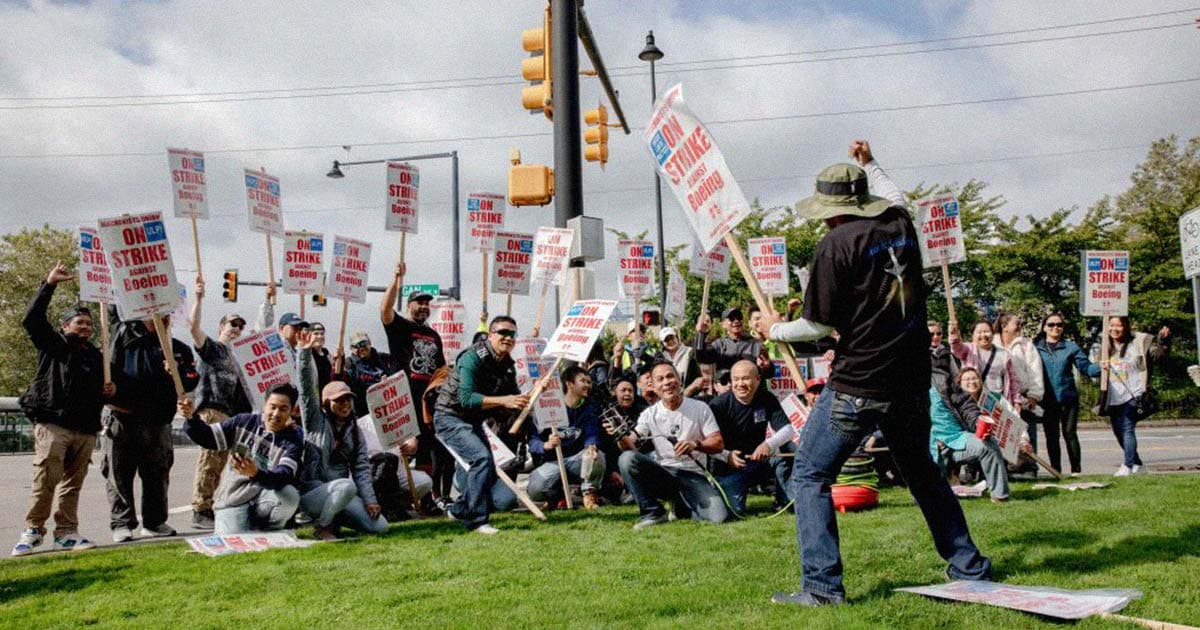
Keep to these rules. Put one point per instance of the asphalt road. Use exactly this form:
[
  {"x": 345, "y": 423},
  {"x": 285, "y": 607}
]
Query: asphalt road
[{"x": 1163, "y": 448}]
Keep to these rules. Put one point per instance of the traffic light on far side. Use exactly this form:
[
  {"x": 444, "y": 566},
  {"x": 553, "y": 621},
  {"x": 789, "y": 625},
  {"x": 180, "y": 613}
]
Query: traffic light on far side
[
  {"x": 537, "y": 68},
  {"x": 319, "y": 299},
  {"x": 230, "y": 289},
  {"x": 595, "y": 136}
]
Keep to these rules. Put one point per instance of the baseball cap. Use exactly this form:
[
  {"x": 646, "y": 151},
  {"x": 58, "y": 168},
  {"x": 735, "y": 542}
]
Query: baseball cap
[
  {"x": 232, "y": 317},
  {"x": 335, "y": 390},
  {"x": 732, "y": 312},
  {"x": 359, "y": 337},
  {"x": 634, "y": 326},
  {"x": 73, "y": 312},
  {"x": 292, "y": 319},
  {"x": 667, "y": 331},
  {"x": 420, "y": 296}
]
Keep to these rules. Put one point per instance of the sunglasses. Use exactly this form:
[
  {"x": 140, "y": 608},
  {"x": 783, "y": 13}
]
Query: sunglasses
[
  {"x": 1054, "y": 324},
  {"x": 361, "y": 344},
  {"x": 508, "y": 333},
  {"x": 237, "y": 324}
]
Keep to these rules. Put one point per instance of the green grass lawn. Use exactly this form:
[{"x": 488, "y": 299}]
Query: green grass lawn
[{"x": 591, "y": 569}]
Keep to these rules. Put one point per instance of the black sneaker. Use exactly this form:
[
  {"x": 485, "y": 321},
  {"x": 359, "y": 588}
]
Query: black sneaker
[
  {"x": 203, "y": 520},
  {"x": 803, "y": 598}
]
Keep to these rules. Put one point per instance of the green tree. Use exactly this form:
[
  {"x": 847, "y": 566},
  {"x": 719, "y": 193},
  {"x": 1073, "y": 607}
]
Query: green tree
[{"x": 25, "y": 259}]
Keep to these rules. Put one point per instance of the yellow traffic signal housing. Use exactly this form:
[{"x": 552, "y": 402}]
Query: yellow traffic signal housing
[
  {"x": 230, "y": 288},
  {"x": 595, "y": 136},
  {"x": 529, "y": 184},
  {"x": 537, "y": 68},
  {"x": 319, "y": 299}
]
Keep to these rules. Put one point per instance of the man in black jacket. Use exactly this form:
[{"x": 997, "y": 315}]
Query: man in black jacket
[
  {"x": 138, "y": 426},
  {"x": 64, "y": 403}
]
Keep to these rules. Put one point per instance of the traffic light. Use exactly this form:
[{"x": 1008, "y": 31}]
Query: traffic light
[
  {"x": 318, "y": 299},
  {"x": 230, "y": 289},
  {"x": 651, "y": 318},
  {"x": 596, "y": 135},
  {"x": 536, "y": 68},
  {"x": 529, "y": 184}
]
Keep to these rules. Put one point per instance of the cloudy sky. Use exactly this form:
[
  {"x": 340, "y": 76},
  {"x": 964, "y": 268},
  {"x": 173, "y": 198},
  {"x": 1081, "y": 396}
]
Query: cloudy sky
[{"x": 92, "y": 93}]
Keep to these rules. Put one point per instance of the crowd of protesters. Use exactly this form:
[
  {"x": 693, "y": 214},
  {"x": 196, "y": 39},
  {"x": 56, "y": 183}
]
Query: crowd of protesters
[{"x": 693, "y": 425}]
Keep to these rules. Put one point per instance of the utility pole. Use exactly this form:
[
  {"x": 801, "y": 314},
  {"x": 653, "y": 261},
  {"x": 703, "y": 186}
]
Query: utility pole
[{"x": 568, "y": 163}]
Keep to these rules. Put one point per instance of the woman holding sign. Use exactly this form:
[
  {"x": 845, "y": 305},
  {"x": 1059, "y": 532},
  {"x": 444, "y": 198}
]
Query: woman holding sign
[
  {"x": 1128, "y": 399},
  {"x": 336, "y": 480}
]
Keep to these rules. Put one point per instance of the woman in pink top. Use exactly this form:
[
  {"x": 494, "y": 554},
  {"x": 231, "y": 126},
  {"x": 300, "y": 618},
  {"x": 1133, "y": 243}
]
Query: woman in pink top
[{"x": 992, "y": 362}]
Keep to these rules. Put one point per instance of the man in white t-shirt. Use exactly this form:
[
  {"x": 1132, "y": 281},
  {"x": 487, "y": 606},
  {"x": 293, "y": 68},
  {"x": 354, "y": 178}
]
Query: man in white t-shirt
[{"x": 676, "y": 433}]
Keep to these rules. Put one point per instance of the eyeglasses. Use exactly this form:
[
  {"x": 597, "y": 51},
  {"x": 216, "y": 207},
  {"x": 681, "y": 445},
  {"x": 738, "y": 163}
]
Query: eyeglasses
[
  {"x": 1054, "y": 324},
  {"x": 508, "y": 333}
]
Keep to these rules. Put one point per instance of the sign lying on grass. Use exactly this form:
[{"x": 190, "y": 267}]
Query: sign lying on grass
[
  {"x": 1039, "y": 600},
  {"x": 213, "y": 546}
]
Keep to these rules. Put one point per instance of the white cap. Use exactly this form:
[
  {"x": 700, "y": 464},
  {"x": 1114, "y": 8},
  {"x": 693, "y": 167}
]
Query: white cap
[{"x": 667, "y": 331}]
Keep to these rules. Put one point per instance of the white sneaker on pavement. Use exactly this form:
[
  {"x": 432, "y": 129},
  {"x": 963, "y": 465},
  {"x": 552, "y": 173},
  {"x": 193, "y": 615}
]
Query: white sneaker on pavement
[
  {"x": 29, "y": 539},
  {"x": 1136, "y": 469},
  {"x": 122, "y": 534},
  {"x": 1123, "y": 471},
  {"x": 73, "y": 542},
  {"x": 486, "y": 529}
]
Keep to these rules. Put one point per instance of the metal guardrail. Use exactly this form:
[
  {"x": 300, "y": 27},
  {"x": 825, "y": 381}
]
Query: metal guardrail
[{"x": 16, "y": 431}]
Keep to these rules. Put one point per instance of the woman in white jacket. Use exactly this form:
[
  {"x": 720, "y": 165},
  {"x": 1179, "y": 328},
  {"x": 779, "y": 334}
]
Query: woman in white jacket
[
  {"x": 1128, "y": 368},
  {"x": 1027, "y": 364}
]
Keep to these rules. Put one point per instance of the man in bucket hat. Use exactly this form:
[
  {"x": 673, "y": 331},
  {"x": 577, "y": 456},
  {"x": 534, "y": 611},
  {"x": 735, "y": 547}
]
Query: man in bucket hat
[{"x": 866, "y": 283}]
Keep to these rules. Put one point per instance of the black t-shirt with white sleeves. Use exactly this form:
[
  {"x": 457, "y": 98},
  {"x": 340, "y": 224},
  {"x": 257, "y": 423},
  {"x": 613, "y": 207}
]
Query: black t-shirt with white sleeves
[{"x": 866, "y": 282}]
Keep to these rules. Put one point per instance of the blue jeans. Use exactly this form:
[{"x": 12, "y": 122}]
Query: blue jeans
[
  {"x": 736, "y": 482},
  {"x": 480, "y": 491},
  {"x": 338, "y": 501},
  {"x": 835, "y": 427},
  {"x": 545, "y": 481},
  {"x": 271, "y": 509},
  {"x": 1124, "y": 422},
  {"x": 690, "y": 493}
]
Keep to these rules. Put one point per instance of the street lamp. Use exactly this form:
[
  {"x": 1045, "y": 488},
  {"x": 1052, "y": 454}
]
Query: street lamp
[
  {"x": 336, "y": 173},
  {"x": 651, "y": 53}
]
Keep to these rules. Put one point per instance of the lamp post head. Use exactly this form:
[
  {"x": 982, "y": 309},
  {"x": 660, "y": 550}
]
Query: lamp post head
[
  {"x": 335, "y": 172},
  {"x": 650, "y": 52}
]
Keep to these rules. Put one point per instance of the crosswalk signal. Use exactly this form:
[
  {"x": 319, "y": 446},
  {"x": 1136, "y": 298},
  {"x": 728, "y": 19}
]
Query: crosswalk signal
[
  {"x": 537, "y": 68},
  {"x": 529, "y": 184},
  {"x": 230, "y": 289},
  {"x": 596, "y": 135}
]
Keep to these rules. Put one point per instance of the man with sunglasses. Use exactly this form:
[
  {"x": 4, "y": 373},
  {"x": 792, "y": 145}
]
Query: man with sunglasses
[
  {"x": 482, "y": 386},
  {"x": 219, "y": 395}
]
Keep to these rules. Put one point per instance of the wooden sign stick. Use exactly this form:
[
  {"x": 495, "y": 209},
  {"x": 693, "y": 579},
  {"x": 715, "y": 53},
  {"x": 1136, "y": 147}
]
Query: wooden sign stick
[
  {"x": 196, "y": 246},
  {"x": 301, "y": 305},
  {"x": 1045, "y": 464},
  {"x": 508, "y": 303},
  {"x": 483, "y": 280},
  {"x": 399, "y": 294},
  {"x": 704, "y": 294},
  {"x": 562, "y": 471},
  {"x": 105, "y": 350},
  {"x": 949, "y": 297},
  {"x": 740, "y": 258},
  {"x": 342, "y": 328},
  {"x": 412, "y": 488},
  {"x": 534, "y": 394},
  {"x": 270, "y": 265},
  {"x": 164, "y": 340},
  {"x": 521, "y": 496},
  {"x": 537, "y": 321}
]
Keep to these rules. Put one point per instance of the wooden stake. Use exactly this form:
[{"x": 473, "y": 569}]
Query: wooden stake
[
  {"x": 576, "y": 290},
  {"x": 1104, "y": 349},
  {"x": 704, "y": 294},
  {"x": 562, "y": 471},
  {"x": 301, "y": 305},
  {"x": 342, "y": 328},
  {"x": 538, "y": 388},
  {"x": 521, "y": 496},
  {"x": 105, "y": 350},
  {"x": 164, "y": 340},
  {"x": 949, "y": 299},
  {"x": 399, "y": 294},
  {"x": 1045, "y": 464},
  {"x": 270, "y": 264},
  {"x": 412, "y": 488},
  {"x": 483, "y": 280},
  {"x": 537, "y": 321},
  {"x": 508, "y": 303},
  {"x": 196, "y": 246},
  {"x": 740, "y": 258},
  {"x": 1147, "y": 623}
]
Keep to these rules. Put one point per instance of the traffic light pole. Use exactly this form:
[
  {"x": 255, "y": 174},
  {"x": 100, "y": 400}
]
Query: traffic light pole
[{"x": 568, "y": 163}]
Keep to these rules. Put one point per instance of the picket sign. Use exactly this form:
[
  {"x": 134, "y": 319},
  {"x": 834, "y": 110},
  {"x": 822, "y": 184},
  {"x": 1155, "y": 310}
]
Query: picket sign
[
  {"x": 768, "y": 262},
  {"x": 1007, "y": 424},
  {"x": 942, "y": 241},
  {"x": 676, "y": 298},
  {"x": 501, "y": 455},
  {"x": 395, "y": 418},
  {"x": 348, "y": 277},
  {"x": 263, "y": 361},
  {"x": 485, "y": 215},
  {"x": 797, "y": 414},
  {"x": 448, "y": 318},
  {"x": 551, "y": 411},
  {"x": 572, "y": 341},
  {"x": 785, "y": 383},
  {"x": 189, "y": 191},
  {"x": 711, "y": 265},
  {"x": 513, "y": 252},
  {"x": 1189, "y": 244},
  {"x": 95, "y": 285},
  {"x": 1104, "y": 292},
  {"x": 551, "y": 253},
  {"x": 264, "y": 204}
]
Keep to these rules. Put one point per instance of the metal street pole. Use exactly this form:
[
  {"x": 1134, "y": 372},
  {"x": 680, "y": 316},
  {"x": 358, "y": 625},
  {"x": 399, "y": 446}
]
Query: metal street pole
[
  {"x": 568, "y": 163},
  {"x": 652, "y": 54}
]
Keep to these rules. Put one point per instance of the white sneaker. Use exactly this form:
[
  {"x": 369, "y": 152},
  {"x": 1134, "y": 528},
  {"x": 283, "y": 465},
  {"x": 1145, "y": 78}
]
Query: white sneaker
[
  {"x": 161, "y": 531},
  {"x": 1123, "y": 471},
  {"x": 29, "y": 539},
  {"x": 980, "y": 486},
  {"x": 122, "y": 534},
  {"x": 486, "y": 529},
  {"x": 1135, "y": 470},
  {"x": 73, "y": 542}
]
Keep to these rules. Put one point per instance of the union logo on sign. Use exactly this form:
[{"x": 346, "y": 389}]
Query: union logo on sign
[
  {"x": 658, "y": 146},
  {"x": 527, "y": 246},
  {"x": 274, "y": 342},
  {"x": 1093, "y": 264},
  {"x": 647, "y": 251},
  {"x": 339, "y": 249},
  {"x": 575, "y": 310},
  {"x": 155, "y": 231},
  {"x": 778, "y": 249},
  {"x": 316, "y": 244},
  {"x": 85, "y": 240},
  {"x": 951, "y": 208}
]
